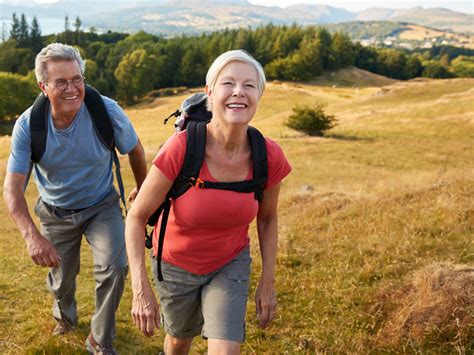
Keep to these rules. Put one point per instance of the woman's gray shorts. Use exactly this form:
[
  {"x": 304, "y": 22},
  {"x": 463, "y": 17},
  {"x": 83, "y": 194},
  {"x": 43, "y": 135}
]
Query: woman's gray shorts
[{"x": 213, "y": 304}]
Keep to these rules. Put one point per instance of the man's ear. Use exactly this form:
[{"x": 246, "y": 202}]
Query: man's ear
[{"x": 43, "y": 88}]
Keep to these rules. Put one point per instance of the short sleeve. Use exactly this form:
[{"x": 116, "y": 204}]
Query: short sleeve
[
  {"x": 278, "y": 165},
  {"x": 124, "y": 134},
  {"x": 20, "y": 152},
  {"x": 170, "y": 158}
]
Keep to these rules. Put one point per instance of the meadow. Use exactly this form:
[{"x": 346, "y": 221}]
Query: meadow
[{"x": 378, "y": 206}]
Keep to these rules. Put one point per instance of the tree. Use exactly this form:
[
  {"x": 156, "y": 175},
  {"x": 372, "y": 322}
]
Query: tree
[
  {"x": 15, "y": 30},
  {"x": 413, "y": 67},
  {"x": 135, "y": 74},
  {"x": 391, "y": 63},
  {"x": 463, "y": 66},
  {"x": 16, "y": 94},
  {"x": 14, "y": 59},
  {"x": 311, "y": 56},
  {"x": 4, "y": 31},
  {"x": 67, "y": 32},
  {"x": 434, "y": 69},
  {"x": 35, "y": 36},
  {"x": 92, "y": 71},
  {"x": 365, "y": 57},
  {"x": 24, "y": 39},
  {"x": 342, "y": 51},
  {"x": 288, "y": 68},
  {"x": 244, "y": 40},
  {"x": 325, "y": 40},
  {"x": 77, "y": 32},
  {"x": 192, "y": 70}
]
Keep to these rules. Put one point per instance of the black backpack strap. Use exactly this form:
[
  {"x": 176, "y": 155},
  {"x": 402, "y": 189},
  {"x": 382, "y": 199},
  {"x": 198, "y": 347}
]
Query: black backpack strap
[
  {"x": 259, "y": 159},
  {"x": 39, "y": 127},
  {"x": 164, "y": 221},
  {"x": 100, "y": 117},
  {"x": 193, "y": 158},
  {"x": 103, "y": 125}
]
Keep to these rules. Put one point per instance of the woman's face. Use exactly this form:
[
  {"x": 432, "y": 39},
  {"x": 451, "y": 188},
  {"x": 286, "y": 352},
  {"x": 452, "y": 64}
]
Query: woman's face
[{"x": 235, "y": 95}]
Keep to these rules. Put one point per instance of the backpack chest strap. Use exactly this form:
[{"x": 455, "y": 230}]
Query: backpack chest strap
[{"x": 244, "y": 186}]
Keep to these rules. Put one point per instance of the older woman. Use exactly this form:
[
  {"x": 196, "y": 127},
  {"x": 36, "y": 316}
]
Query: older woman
[{"x": 206, "y": 258}]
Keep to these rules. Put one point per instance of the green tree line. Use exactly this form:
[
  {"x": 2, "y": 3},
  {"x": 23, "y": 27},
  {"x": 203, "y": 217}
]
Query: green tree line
[{"x": 127, "y": 67}]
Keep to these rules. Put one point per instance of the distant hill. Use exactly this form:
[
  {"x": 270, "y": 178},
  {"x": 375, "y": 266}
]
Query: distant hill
[
  {"x": 178, "y": 17},
  {"x": 438, "y": 18},
  {"x": 401, "y": 34}
]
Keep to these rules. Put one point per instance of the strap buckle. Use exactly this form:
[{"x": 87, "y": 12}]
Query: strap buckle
[{"x": 198, "y": 183}]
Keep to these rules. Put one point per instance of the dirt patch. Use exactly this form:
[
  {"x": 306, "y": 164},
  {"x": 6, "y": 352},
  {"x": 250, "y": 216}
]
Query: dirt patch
[{"x": 435, "y": 304}]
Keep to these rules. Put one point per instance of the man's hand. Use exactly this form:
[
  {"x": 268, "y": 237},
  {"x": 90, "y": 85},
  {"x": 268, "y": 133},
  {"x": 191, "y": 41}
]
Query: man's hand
[{"x": 42, "y": 251}]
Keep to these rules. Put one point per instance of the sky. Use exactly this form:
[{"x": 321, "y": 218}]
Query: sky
[{"x": 466, "y": 6}]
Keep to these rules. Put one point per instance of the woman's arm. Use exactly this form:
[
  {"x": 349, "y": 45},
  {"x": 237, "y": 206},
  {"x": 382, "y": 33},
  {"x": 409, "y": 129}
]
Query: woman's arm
[
  {"x": 267, "y": 227},
  {"x": 137, "y": 161},
  {"x": 145, "y": 309}
]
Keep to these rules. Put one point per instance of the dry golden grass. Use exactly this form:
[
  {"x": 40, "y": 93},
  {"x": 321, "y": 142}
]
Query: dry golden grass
[
  {"x": 435, "y": 305},
  {"x": 387, "y": 193}
]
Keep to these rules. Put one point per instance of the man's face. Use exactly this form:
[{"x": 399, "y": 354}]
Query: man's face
[{"x": 64, "y": 88}]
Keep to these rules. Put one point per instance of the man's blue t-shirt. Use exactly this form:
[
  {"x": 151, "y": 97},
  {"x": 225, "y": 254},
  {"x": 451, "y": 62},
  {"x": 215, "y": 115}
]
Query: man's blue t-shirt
[{"x": 75, "y": 170}]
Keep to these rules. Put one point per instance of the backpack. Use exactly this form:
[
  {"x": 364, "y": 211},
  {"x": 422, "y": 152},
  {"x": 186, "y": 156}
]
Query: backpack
[
  {"x": 193, "y": 108},
  {"x": 101, "y": 122},
  {"x": 193, "y": 117}
]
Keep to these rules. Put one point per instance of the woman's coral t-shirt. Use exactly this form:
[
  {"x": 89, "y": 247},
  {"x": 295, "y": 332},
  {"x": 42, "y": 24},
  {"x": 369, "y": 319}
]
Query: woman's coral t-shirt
[{"x": 207, "y": 228}]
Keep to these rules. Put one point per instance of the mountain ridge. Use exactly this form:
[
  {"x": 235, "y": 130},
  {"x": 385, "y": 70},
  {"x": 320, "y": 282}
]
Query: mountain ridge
[{"x": 178, "y": 17}]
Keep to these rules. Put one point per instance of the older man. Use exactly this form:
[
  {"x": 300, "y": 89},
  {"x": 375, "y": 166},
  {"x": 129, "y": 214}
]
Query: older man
[{"x": 77, "y": 196}]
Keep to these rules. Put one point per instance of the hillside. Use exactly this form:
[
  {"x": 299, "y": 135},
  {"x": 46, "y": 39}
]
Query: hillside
[
  {"x": 438, "y": 18},
  {"x": 352, "y": 77},
  {"x": 369, "y": 212}
]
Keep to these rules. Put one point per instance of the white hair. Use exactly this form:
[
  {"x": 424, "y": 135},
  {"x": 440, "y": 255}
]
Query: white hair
[
  {"x": 56, "y": 52},
  {"x": 237, "y": 55}
]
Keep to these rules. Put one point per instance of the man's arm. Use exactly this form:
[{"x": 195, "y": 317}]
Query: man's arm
[
  {"x": 40, "y": 249},
  {"x": 137, "y": 160}
]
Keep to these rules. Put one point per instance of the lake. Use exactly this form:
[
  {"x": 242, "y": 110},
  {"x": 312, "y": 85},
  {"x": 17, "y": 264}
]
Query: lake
[{"x": 47, "y": 25}]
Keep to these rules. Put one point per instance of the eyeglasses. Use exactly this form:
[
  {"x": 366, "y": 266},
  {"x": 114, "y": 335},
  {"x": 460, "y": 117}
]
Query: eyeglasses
[{"x": 61, "y": 84}]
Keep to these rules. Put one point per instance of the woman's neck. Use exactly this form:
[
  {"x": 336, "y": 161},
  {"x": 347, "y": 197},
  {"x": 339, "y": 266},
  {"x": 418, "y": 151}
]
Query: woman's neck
[{"x": 230, "y": 139}]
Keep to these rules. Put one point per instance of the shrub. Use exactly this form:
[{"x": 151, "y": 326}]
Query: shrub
[
  {"x": 17, "y": 92},
  {"x": 311, "y": 120}
]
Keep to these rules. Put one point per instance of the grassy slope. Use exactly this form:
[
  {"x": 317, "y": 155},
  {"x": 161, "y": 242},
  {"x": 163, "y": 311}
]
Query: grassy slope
[{"x": 389, "y": 191}]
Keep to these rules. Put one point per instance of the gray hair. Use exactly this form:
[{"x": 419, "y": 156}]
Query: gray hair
[
  {"x": 56, "y": 52},
  {"x": 237, "y": 55}
]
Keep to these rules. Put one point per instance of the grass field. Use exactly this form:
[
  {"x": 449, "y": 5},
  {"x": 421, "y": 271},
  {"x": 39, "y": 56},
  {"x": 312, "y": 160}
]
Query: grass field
[{"x": 387, "y": 193}]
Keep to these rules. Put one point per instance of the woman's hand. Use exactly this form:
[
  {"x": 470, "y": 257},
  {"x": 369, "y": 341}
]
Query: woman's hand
[
  {"x": 266, "y": 303},
  {"x": 145, "y": 310}
]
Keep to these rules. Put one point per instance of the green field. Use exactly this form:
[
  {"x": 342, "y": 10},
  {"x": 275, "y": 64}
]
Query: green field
[{"x": 388, "y": 192}]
